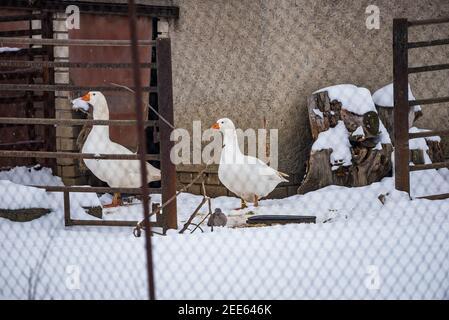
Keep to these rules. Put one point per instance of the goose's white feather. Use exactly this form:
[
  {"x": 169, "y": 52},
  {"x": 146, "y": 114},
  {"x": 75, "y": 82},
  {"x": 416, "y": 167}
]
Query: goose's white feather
[
  {"x": 116, "y": 173},
  {"x": 243, "y": 175}
]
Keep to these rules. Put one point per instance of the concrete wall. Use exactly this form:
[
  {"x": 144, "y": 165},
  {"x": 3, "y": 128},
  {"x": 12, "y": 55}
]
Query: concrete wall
[{"x": 246, "y": 59}]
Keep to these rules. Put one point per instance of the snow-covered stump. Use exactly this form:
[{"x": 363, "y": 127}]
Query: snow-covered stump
[
  {"x": 421, "y": 150},
  {"x": 351, "y": 146}
]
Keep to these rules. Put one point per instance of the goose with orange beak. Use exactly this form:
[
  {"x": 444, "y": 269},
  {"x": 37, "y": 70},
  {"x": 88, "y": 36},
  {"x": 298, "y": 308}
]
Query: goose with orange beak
[
  {"x": 248, "y": 177},
  {"x": 116, "y": 173}
]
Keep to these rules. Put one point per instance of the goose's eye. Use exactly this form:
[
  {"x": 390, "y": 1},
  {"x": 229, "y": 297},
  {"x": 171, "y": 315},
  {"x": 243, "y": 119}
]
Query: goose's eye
[{"x": 93, "y": 94}]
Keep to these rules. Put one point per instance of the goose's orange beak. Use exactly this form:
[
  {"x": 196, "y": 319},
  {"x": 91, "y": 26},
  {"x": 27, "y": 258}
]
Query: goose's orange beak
[
  {"x": 216, "y": 126},
  {"x": 86, "y": 97}
]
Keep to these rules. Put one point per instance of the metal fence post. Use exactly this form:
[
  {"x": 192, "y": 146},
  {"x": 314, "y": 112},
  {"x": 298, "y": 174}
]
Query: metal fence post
[
  {"x": 142, "y": 142},
  {"x": 401, "y": 105},
  {"x": 165, "y": 98}
]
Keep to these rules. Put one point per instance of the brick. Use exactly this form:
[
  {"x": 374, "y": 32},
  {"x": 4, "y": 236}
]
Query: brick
[
  {"x": 66, "y": 162},
  {"x": 65, "y": 114},
  {"x": 70, "y": 171},
  {"x": 70, "y": 181},
  {"x": 195, "y": 189},
  {"x": 212, "y": 179},
  {"x": 63, "y": 104},
  {"x": 61, "y": 77},
  {"x": 278, "y": 193},
  {"x": 185, "y": 177},
  {"x": 65, "y": 144},
  {"x": 216, "y": 191},
  {"x": 67, "y": 132},
  {"x": 61, "y": 52},
  {"x": 59, "y": 26}
]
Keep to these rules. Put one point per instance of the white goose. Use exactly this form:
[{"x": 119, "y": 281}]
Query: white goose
[
  {"x": 116, "y": 173},
  {"x": 246, "y": 176}
]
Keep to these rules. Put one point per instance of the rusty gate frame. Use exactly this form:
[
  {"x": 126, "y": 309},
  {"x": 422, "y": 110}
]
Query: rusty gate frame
[
  {"x": 401, "y": 71},
  {"x": 168, "y": 218},
  {"x": 164, "y": 89}
]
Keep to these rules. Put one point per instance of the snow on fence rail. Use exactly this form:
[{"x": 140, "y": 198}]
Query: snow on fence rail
[{"x": 402, "y": 104}]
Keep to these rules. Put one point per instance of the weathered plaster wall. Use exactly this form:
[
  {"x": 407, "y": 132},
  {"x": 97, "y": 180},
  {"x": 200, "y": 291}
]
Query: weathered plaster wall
[{"x": 246, "y": 59}]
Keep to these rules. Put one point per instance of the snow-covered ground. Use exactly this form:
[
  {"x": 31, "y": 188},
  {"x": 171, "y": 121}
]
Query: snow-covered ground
[{"x": 359, "y": 248}]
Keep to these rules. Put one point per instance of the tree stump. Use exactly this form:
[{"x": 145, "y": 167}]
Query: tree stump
[
  {"x": 371, "y": 158},
  {"x": 386, "y": 115}
]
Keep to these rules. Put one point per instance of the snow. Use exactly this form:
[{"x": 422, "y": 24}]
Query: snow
[
  {"x": 319, "y": 113},
  {"x": 354, "y": 99},
  {"x": 418, "y": 130},
  {"x": 79, "y": 103},
  {"x": 17, "y": 196},
  {"x": 336, "y": 139},
  {"x": 404, "y": 239},
  {"x": 358, "y": 132},
  {"x": 35, "y": 176},
  {"x": 385, "y": 97},
  {"x": 16, "y": 190},
  {"x": 384, "y": 135},
  {"x": 8, "y": 49}
]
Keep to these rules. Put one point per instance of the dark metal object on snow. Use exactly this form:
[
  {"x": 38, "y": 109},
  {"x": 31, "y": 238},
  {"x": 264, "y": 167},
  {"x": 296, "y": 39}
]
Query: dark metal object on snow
[{"x": 274, "y": 219}]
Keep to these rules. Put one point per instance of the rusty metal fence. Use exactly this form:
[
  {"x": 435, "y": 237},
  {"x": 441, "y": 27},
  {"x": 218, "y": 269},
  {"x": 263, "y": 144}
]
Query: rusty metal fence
[
  {"x": 349, "y": 234},
  {"x": 165, "y": 218},
  {"x": 401, "y": 71}
]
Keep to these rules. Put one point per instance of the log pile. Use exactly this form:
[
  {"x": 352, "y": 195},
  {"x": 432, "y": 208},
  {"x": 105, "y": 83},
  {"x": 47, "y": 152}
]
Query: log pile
[{"x": 371, "y": 159}]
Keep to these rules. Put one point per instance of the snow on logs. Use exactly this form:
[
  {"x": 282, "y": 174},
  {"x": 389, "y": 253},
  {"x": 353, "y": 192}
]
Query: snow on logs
[
  {"x": 422, "y": 150},
  {"x": 351, "y": 145}
]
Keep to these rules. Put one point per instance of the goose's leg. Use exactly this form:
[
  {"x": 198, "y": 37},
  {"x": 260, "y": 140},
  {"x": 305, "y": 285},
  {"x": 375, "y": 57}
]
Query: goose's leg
[
  {"x": 256, "y": 201},
  {"x": 116, "y": 201},
  {"x": 243, "y": 204}
]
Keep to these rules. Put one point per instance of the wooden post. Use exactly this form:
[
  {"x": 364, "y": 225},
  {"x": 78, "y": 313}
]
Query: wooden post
[
  {"x": 401, "y": 104},
  {"x": 165, "y": 98}
]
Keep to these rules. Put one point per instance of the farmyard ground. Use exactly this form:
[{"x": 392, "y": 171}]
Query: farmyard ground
[{"x": 359, "y": 248}]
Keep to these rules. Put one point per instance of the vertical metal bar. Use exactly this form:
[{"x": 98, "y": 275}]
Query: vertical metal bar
[
  {"x": 67, "y": 218},
  {"x": 401, "y": 106},
  {"x": 142, "y": 142},
  {"x": 49, "y": 97},
  {"x": 165, "y": 98}
]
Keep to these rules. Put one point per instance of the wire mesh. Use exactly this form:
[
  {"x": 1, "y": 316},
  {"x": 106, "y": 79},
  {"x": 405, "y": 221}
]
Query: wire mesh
[{"x": 347, "y": 234}]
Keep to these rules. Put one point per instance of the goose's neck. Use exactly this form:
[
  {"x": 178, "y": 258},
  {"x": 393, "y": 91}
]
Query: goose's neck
[
  {"x": 101, "y": 112},
  {"x": 231, "y": 150},
  {"x": 100, "y": 132}
]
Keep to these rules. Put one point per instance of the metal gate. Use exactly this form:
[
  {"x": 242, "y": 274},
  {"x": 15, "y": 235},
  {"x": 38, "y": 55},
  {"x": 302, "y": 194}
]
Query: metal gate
[
  {"x": 18, "y": 68},
  {"x": 401, "y": 71}
]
